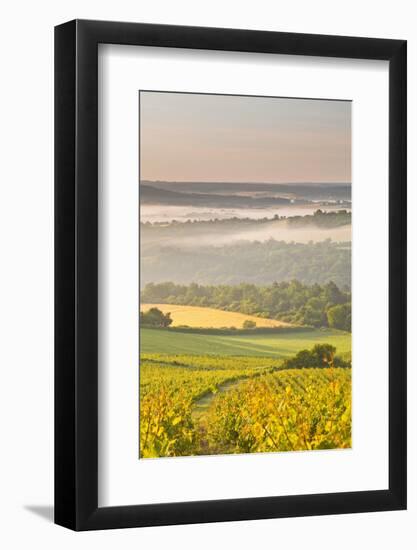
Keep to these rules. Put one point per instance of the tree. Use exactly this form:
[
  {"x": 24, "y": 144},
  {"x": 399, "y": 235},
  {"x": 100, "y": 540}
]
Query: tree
[
  {"x": 340, "y": 317},
  {"x": 321, "y": 356},
  {"x": 333, "y": 294},
  {"x": 155, "y": 318},
  {"x": 249, "y": 324}
]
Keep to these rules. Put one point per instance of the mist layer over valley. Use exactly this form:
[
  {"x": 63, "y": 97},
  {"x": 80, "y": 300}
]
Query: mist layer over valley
[
  {"x": 298, "y": 232},
  {"x": 232, "y": 230},
  {"x": 182, "y": 201}
]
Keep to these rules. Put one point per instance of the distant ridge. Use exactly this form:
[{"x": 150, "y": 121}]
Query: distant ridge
[
  {"x": 232, "y": 191},
  {"x": 156, "y": 195},
  {"x": 255, "y": 183}
]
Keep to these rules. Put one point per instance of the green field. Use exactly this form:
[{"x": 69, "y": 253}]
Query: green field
[{"x": 264, "y": 345}]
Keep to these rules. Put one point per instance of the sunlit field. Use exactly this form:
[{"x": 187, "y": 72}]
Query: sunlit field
[{"x": 206, "y": 317}]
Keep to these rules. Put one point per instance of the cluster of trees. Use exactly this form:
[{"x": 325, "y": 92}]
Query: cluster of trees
[
  {"x": 321, "y": 356},
  {"x": 340, "y": 316},
  {"x": 257, "y": 262},
  {"x": 155, "y": 318},
  {"x": 334, "y": 218},
  {"x": 313, "y": 305}
]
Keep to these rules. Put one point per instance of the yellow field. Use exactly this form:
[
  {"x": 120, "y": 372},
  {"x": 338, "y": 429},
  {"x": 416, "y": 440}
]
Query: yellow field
[{"x": 205, "y": 317}]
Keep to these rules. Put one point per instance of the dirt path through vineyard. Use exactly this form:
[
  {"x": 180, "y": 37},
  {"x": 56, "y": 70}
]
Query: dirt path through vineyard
[{"x": 202, "y": 405}]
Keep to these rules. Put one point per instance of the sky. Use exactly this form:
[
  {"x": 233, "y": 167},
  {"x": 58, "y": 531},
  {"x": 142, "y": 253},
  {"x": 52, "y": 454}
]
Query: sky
[{"x": 203, "y": 137}]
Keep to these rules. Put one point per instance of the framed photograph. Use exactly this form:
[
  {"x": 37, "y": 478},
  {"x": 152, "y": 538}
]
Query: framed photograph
[{"x": 230, "y": 245}]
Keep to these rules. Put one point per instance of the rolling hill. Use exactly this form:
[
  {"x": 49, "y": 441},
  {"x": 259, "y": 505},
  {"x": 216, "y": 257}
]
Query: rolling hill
[
  {"x": 206, "y": 317},
  {"x": 155, "y": 195},
  {"x": 282, "y": 345}
]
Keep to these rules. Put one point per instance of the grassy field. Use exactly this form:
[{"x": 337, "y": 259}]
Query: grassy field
[
  {"x": 262, "y": 345},
  {"x": 205, "y": 317}
]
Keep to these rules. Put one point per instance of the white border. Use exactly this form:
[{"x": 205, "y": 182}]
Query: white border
[{"x": 123, "y": 479}]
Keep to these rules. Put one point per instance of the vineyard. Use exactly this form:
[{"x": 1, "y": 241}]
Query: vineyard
[
  {"x": 293, "y": 410},
  {"x": 191, "y": 404}
]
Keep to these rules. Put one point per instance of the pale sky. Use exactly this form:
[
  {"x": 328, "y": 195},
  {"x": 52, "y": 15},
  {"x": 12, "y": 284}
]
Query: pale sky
[{"x": 199, "y": 137}]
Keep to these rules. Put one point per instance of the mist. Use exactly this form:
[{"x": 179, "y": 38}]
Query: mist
[{"x": 279, "y": 230}]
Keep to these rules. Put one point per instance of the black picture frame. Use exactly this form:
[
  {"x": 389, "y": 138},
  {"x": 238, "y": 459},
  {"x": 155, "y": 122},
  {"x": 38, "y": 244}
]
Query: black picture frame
[{"x": 76, "y": 273}]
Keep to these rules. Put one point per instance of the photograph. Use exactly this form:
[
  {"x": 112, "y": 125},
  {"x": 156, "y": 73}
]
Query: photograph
[{"x": 245, "y": 274}]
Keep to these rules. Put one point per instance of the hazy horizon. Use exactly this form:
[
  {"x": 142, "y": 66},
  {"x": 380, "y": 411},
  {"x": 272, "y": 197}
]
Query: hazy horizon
[
  {"x": 341, "y": 183},
  {"x": 240, "y": 139}
]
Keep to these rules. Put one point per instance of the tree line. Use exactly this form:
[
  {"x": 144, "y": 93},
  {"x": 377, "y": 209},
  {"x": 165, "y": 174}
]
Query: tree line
[
  {"x": 291, "y": 301},
  {"x": 320, "y": 218}
]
